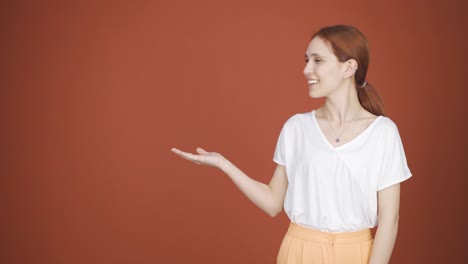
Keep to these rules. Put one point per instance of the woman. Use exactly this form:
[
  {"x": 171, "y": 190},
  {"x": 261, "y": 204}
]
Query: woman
[{"x": 339, "y": 166}]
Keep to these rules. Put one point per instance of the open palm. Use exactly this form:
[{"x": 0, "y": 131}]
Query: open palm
[{"x": 213, "y": 159}]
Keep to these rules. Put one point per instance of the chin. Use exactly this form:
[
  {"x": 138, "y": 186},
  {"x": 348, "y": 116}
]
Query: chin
[{"x": 314, "y": 94}]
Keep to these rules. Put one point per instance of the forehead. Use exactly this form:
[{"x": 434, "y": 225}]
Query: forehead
[{"x": 318, "y": 46}]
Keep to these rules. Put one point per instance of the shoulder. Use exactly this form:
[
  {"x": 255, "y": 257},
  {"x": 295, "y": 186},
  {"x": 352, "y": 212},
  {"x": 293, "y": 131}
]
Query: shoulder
[
  {"x": 387, "y": 122},
  {"x": 387, "y": 128},
  {"x": 298, "y": 119}
]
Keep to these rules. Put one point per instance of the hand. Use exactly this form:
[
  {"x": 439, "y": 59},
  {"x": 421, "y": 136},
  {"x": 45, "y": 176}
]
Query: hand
[{"x": 204, "y": 158}]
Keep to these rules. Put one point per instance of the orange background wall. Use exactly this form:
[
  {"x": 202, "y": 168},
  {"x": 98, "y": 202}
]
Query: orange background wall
[{"x": 94, "y": 94}]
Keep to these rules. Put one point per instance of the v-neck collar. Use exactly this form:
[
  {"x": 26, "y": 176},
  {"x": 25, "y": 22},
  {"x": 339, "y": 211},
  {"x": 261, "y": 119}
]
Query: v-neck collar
[{"x": 324, "y": 138}]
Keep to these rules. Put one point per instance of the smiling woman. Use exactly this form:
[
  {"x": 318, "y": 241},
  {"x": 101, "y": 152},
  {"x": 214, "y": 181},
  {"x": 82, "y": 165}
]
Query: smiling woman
[
  {"x": 342, "y": 44},
  {"x": 339, "y": 167}
]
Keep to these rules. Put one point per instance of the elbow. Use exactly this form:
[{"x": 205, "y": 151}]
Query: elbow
[
  {"x": 274, "y": 212},
  {"x": 390, "y": 221},
  {"x": 394, "y": 219}
]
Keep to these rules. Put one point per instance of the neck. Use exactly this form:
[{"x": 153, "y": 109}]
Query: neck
[{"x": 341, "y": 106}]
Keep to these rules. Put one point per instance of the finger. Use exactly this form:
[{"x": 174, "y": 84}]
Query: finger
[
  {"x": 186, "y": 155},
  {"x": 174, "y": 150},
  {"x": 190, "y": 159},
  {"x": 181, "y": 153},
  {"x": 201, "y": 151}
]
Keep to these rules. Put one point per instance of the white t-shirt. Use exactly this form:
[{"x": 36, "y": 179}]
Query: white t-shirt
[{"x": 334, "y": 189}]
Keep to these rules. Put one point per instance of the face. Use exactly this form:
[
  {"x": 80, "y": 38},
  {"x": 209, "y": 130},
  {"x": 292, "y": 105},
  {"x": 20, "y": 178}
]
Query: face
[{"x": 323, "y": 71}]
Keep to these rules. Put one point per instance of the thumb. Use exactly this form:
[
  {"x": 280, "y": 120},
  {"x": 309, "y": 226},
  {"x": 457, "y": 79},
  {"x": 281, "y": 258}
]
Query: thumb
[{"x": 201, "y": 151}]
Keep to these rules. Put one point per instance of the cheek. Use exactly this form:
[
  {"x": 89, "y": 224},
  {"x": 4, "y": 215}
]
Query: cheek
[
  {"x": 325, "y": 72},
  {"x": 332, "y": 73},
  {"x": 330, "y": 76}
]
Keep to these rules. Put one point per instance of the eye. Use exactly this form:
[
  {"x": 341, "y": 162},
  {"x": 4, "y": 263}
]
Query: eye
[
  {"x": 306, "y": 60},
  {"x": 317, "y": 60}
]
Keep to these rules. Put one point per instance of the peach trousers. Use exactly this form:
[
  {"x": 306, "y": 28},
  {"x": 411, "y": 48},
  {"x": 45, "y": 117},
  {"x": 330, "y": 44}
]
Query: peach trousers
[{"x": 302, "y": 245}]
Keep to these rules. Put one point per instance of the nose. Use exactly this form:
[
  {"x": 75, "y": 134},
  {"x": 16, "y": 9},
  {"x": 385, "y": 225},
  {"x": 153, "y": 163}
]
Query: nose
[{"x": 308, "y": 69}]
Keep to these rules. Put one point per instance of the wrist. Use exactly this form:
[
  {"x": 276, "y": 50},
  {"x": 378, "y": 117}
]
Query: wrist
[{"x": 224, "y": 165}]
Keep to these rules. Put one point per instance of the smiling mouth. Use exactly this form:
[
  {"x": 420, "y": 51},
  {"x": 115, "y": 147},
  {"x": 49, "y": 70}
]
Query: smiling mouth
[{"x": 312, "y": 81}]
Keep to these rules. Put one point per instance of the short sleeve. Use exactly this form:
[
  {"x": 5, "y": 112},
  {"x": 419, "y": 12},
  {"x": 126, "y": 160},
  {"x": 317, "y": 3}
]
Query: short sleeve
[
  {"x": 279, "y": 155},
  {"x": 394, "y": 165}
]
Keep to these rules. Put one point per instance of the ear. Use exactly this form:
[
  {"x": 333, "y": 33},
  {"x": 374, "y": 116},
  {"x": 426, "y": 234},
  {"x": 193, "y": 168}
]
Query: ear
[{"x": 350, "y": 68}]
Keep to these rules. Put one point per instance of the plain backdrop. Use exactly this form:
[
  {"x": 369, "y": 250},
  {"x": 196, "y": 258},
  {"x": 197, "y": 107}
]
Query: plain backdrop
[{"x": 94, "y": 94}]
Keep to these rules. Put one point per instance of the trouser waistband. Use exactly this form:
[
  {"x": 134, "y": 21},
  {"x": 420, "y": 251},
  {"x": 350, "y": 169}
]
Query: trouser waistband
[{"x": 324, "y": 237}]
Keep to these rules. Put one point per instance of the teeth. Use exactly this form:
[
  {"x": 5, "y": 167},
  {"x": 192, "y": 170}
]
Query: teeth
[{"x": 313, "y": 81}]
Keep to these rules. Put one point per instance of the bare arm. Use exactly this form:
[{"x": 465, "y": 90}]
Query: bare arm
[
  {"x": 388, "y": 208},
  {"x": 269, "y": 198}
]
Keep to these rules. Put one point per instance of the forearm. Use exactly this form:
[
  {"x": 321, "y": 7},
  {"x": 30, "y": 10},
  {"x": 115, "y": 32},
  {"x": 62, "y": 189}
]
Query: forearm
[
  {"x": 259, "y": 193},
  {"x": 384, "y": 241}
]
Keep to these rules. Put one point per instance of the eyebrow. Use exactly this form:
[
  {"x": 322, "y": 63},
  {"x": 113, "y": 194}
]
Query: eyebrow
[{"x": 313, "y": 54}]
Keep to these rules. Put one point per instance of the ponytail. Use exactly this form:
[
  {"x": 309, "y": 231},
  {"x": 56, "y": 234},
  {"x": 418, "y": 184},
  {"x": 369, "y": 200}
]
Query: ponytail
[{"x": 370, "y": 99}]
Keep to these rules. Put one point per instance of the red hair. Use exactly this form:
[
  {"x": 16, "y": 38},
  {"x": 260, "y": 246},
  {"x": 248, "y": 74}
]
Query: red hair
[{"x": 347, "y": 42}]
